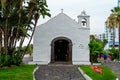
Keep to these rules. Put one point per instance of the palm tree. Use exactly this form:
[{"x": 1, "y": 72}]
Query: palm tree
[
  {"x": 43, "y": 11},
  {"x": 114, "y": 20},
  {"x": 111, "y": 25},
  {"x": 17, "y": 21}
]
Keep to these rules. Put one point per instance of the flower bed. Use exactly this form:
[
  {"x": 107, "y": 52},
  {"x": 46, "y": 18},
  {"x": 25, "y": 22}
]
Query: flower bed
[{"x": 97, "y": 69}]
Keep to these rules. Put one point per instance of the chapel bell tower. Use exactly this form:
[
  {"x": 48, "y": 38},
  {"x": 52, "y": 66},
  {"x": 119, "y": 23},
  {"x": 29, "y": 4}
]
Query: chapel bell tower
[{"x": 83, "y": 20}]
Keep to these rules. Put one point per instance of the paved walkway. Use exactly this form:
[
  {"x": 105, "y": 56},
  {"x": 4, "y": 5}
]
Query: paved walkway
[
  {"x": 61, "y": 72},
  {"x": 115, "y": 66}
]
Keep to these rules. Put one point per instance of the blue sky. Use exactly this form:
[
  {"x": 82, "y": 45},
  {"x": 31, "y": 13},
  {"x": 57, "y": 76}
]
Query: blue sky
[{"x": 98, "y": 10}]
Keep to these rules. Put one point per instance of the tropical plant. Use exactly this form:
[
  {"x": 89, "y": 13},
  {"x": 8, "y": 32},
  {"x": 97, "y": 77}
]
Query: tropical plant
[
  {"x": 29, "y": 50},
  {"x": 114, "y": 52},
  {"x": 114, "y": 20},
  {"x": 96, "y": 47},
  {"x": 18, "y": 20},
  {"x": 105, "y": 41},
  {"x": 111, "y": 25}
]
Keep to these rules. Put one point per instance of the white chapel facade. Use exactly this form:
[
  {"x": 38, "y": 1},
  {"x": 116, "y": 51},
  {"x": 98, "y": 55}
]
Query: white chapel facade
[{"x": 62, "y": 40}]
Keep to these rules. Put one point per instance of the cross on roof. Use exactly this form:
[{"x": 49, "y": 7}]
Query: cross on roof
[{"x": 61, "y": 10}]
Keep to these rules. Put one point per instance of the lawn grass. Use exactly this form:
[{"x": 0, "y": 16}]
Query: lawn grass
[
  {"x": 106, "y": 75},
  {"x": 23, "y": 72}
]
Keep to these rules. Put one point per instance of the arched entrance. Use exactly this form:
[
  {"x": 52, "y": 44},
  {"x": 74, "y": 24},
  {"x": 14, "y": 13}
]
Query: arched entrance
[{"x": 61, "y": 50}]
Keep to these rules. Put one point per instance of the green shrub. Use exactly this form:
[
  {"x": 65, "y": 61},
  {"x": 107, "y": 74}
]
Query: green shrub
[
  {"x": 5, "y": 60},
  {"x": 1, "y": 60},
  {"x": 17, "y": 59},
  {"x": 12, "y": 58}
]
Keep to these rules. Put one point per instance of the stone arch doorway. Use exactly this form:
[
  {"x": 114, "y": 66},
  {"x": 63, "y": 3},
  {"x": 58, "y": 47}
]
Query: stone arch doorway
[{"x": 61, "y": 50}]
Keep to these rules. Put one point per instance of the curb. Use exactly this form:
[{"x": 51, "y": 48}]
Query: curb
[
  {"x": 84, "y": 75},
  {"x": 117, "y": 79},
  {"x": 34, "y": 72}
]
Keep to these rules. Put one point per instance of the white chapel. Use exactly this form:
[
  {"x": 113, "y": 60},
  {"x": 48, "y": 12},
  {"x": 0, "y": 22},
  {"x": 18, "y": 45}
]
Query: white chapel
[{"x": 62, "y": 40}]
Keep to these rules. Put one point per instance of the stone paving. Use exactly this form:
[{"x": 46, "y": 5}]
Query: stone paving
[
  {"x": 115, "y": 66},
  {"x": 58, "y": 72}
]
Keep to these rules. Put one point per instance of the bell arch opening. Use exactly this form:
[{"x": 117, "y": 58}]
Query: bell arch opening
[{"x": 61, "y": 50}]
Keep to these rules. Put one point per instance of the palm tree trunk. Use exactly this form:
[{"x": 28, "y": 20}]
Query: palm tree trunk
[
  {"x": 0, "y": 40},
  {"x": 113, "y": 46},
  {"x": 36, "y": 19},
  {"x": 19, "y": 20},
  {"x": 31, "y": 37},
  {"x": 6, "y": 36},
  {"x": 31, "y": 12}
]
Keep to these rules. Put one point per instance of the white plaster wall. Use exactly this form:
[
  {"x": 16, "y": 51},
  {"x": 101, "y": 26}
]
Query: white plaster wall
[
  {"x": 80, "y": 48},
  {"x": 61, "y": 26}
]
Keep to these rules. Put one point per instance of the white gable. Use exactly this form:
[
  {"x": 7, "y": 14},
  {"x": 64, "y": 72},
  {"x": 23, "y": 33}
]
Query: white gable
[{"x": 64, "y": 28}]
